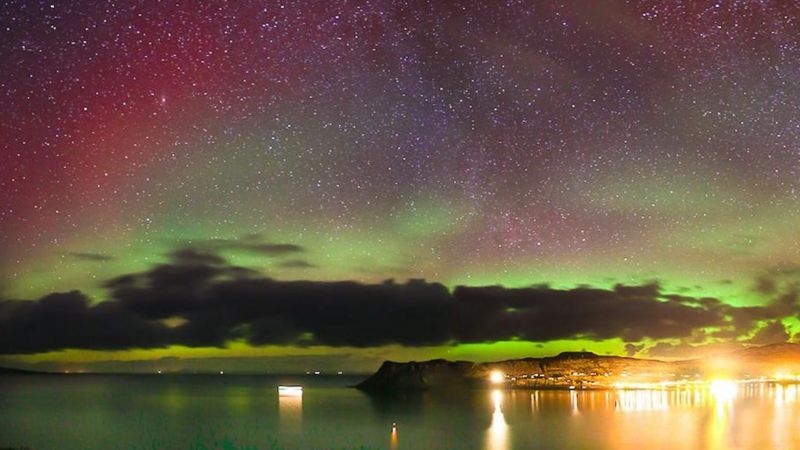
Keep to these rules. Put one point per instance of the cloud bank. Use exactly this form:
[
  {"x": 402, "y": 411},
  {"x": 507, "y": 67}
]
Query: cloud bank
[{"x": 198, "y": 299}]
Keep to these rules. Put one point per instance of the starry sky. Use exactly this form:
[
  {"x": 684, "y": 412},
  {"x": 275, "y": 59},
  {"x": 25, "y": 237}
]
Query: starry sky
[{"x": 515, "y": 157}]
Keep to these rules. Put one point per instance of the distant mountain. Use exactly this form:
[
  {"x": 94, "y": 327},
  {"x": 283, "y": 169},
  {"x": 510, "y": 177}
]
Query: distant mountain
[
  {"x": 785, "y": 351},
  {"x": 583, "y": 370},
  {"x": 12, "y": 371},
  {"x": 770, "y": 359}
]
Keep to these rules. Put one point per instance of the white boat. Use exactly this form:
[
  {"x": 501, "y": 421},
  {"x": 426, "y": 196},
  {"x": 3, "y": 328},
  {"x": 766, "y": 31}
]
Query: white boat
[{"x": 290, "y": 390}]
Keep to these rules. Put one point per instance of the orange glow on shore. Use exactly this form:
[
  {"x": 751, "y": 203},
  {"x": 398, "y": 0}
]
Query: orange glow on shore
[
  {"x": 723, "y": 390},
  {"x": 496, "y": 377}
]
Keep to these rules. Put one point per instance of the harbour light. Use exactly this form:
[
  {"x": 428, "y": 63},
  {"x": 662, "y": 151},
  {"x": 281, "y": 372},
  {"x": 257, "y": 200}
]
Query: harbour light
[{"x": 496, "y": 377}]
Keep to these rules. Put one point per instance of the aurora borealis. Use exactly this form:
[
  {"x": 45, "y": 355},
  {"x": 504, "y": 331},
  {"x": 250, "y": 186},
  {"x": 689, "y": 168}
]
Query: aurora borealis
[{"x": 642, "y": 152}]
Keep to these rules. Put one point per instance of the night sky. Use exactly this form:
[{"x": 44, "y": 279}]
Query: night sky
[{"x": 253, "y": 184}]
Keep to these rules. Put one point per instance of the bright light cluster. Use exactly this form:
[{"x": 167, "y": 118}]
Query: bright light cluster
[
  {"x": 723, "y": 390},
  {"x": 496, "y": 377},
  {"x": 781, "y": 376}
]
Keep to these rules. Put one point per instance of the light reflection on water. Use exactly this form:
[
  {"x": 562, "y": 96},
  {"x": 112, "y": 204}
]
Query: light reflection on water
[
  {"x": 497, "y": 436},
  {"x": 290, "y": 407},
  {"x": 642, "y": 401},
  {"x": 393, "y": 439},
  {"x": 247, "y": 412}
]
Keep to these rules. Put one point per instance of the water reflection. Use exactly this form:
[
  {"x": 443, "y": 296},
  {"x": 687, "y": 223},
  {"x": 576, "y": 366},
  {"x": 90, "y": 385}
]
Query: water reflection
[
  {"x": 723, "y": 391},
  {"x": 722, "y": 394},
  {"x": 573, "y": 402},
  {"x": 206, "y": 413},
  {"x": 497, "y": 435},
  {"x": 290, "y": 407},
  {"x": 173, "y": 399},
  {"x": 785, "y": 412},
  {"x": 785, "y": 395},
  {"x": 642, "y": 401}
]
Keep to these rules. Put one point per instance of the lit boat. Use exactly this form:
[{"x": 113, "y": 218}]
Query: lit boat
[{"x": 290, "y": 390}]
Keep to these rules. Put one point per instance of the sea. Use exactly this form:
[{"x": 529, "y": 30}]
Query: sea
[{"x": 221, "y": 411}]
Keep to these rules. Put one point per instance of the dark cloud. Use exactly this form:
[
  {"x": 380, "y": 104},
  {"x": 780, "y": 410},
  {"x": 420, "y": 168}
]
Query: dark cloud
[
  {"x": 765, "y": 285},
  {"x": 251, "y": 243},
  {"x": 192, "y": 256},
  {"x": 748, "y": 317},
  {"x": 685, "y": 350},
  {"x": 697, "y": 346},
  {"x": 67, "y": 320},
  {"x": 542, "y": 314},
  {"x": 774, "y": 278},
  {"x": 772, "y": 333},
  {"x": 217, "y": 302},
  {"x": 788, "y": 269},
  {"x": 632, "y": 349},
  {"x": 94, "y": 257}
]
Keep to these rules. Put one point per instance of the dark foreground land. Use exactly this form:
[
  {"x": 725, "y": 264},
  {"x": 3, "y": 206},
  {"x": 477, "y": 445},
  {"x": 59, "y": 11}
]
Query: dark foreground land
[{"x": 13, "y": 371}]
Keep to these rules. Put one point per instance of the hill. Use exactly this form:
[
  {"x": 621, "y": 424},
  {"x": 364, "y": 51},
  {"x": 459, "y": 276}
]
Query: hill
[
  {"x": 585, "y": 370},
  {"x": 13, "y": 371}
]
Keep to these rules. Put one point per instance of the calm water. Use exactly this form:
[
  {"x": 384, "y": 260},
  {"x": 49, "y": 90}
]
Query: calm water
[{"x": 245, "y": 412}]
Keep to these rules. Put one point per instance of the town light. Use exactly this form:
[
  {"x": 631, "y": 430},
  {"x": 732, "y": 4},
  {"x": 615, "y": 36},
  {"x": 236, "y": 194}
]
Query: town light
[
  {"x": 496, "y": 377},
  {"x": 723, "y": 390}
]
